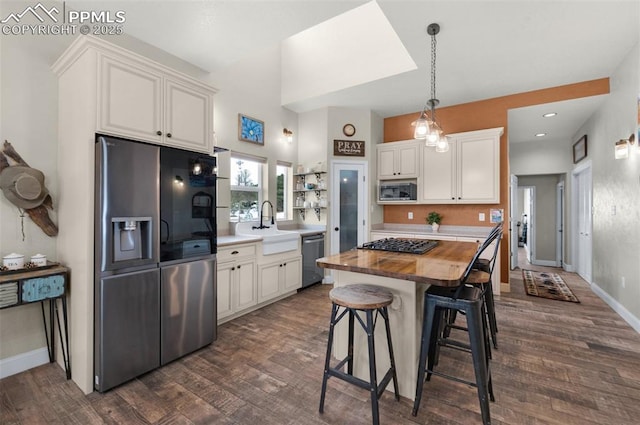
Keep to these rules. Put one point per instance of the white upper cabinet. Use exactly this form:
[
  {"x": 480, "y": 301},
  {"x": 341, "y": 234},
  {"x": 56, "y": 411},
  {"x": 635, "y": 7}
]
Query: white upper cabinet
[
  {"x": 398, "y": 160},
  {"x": 130, "y": 100},
  {"x": 142, "y": 102},
  {"x": 188, "y": 115},
  {"x": 469, "y": 173}
]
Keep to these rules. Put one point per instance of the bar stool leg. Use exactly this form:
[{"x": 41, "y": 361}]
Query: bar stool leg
[
  {"x": 325, "y": 377},
  {"x": 491, "y": 314},
  {"x": 372, "y": 368},
  {"x": 350, "y": 343},
  {"x": 427, "y": 327},
  {"x": 385, "y": 315},
  {"x": 480, "y": 362}
]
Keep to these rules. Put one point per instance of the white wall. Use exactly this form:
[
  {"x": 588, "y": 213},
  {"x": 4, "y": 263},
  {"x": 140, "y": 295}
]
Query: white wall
[
  {"x": 252, "y": 87},
  {"x": 616, "y": 238}
]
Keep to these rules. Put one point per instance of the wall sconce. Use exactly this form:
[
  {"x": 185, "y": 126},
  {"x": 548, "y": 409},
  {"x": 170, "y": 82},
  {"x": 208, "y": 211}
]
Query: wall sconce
[
  {"x": 623, "y": 146},
  {"x": 288, "y": 134},
  {"x": 178, "y": 180}
]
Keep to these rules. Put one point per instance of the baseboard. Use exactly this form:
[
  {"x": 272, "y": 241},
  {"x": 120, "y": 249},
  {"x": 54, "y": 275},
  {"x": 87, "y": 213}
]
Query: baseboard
[
  {"x": 546, "y": 263},
  {"x": 328, "y": 280},
  {"x": 568, "y": 268},
  {"x": 505, "y": 287},
  {"x": 21, "y": 362},
  {"x": 617, "y": 307}
]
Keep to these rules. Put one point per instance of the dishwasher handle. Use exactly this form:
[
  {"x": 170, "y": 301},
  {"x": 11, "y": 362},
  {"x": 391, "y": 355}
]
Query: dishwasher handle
[{"x": 312, "y": 239}]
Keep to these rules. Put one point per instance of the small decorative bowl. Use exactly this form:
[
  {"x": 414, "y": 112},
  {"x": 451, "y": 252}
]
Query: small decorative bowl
[{"x": 310, "y": 186}]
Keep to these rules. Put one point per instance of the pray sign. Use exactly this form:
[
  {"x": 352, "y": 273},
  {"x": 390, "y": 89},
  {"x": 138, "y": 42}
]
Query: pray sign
[{"x": 348, "y": 147}]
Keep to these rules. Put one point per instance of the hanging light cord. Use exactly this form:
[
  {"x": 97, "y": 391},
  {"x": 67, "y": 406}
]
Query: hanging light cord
[{"x": 433, "y": 78}]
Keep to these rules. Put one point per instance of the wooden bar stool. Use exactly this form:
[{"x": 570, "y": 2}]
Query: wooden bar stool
[{"x": 368, "y": 299}]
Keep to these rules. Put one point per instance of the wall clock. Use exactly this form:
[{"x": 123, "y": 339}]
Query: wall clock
[{"x": 349, "y": 130}]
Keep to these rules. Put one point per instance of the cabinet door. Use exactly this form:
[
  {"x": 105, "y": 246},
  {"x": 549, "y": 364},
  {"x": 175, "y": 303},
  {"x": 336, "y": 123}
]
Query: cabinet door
[
  {"x": 479, "y": 170},
  {"x": 268, "y": 281},
  {"x": 246, "y": 287},
  {"x": 130, "y": 100},
  {"x": 408, "y": 158},
  {"x": 224, "y": 284},
  {"x": 386, "y": 163},
  {"x": 292, "y": 274},
  {"x": 438, "y": 176},
  {"x": 188, "y": 116}
]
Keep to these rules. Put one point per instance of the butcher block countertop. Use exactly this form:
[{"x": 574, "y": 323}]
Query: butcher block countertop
[{"x": 444, "y": 265}]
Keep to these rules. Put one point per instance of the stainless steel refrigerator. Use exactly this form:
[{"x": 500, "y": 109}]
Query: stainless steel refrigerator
[{"x": 154, "y": 257}]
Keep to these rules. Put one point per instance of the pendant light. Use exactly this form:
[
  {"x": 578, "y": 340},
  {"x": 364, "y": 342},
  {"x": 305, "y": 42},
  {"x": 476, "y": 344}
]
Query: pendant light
[{"x": 427, "y": 126}]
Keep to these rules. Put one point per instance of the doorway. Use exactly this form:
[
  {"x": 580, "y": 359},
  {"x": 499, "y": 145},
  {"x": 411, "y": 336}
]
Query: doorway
[
  {"x": 560, "y": 224},
  {"x": 581, "y": 220},
  {"x": 349, "y": 201}
]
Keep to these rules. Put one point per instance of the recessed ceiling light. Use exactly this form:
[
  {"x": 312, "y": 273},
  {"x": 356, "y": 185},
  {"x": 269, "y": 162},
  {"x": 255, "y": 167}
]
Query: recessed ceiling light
[
  {"x": 550, "y": 114},
  {"x": 541, "y": 134}
]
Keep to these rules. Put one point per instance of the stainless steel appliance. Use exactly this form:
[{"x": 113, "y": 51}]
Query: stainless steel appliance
[
  {"x": 312, "y": 249},
  {"x": 154, "y": 257},
  {"x": 411, "y": 246},
  {"x": 398, "y": 191}
]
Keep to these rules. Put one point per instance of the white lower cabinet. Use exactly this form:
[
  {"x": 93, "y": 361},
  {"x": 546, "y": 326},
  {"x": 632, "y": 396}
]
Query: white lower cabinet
[
  {"x": 236, "y": 283},
  {"x": 279, "y": 277}
]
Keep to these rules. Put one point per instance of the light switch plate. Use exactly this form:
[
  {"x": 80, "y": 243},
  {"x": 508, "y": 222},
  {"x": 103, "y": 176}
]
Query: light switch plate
[
  {"x": 481, "y": 217},
  {"x": 410, "y": 215}
]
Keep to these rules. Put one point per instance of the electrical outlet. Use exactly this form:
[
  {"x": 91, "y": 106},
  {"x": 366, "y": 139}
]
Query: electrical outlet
[
  {"x": 410, "y": 215},
  {"x": 622, "y": 281},
  {"x": 481, "y": 217}
]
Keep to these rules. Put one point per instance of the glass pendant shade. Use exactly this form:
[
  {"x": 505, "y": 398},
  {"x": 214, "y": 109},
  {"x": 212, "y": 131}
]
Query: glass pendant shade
[
  {"x": 443, "y": 144},
  {"x": 422, "y": 127}
]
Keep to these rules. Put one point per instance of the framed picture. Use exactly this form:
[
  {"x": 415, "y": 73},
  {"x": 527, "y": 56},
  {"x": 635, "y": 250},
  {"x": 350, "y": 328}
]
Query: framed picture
[
  {"x": 250, "y": 129},
  {"x": 580, "y": 149}
]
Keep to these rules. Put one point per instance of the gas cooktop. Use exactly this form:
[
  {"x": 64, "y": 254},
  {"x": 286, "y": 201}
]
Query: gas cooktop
[{"x": 411, "y": 246}]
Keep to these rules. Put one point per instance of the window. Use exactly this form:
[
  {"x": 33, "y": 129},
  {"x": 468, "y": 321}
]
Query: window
[
  {"x": 246, "y": 188},
  {"x": 283, "y": 190}
]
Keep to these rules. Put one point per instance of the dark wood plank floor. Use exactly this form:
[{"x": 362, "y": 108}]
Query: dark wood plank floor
[{"x": 558, "y": 363}]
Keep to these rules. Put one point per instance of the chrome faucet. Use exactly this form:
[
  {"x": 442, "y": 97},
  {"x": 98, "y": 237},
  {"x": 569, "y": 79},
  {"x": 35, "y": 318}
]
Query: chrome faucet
[{"x": 273, "y": 222}]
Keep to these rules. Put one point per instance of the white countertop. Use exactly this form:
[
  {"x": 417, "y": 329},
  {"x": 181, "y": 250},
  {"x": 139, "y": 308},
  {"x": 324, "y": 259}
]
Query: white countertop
[{"x": 303, "y": 230}]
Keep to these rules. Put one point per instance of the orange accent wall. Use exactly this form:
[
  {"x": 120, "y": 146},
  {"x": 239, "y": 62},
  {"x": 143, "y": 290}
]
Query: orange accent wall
[{"x": 480, "y": 115}]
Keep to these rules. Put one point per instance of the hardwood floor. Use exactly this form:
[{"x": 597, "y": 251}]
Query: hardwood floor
[{"x": 557, "y": 363}]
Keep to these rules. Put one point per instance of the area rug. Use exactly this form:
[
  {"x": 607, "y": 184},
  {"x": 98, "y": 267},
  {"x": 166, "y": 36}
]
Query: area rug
[{"x": 547, "y": 285}]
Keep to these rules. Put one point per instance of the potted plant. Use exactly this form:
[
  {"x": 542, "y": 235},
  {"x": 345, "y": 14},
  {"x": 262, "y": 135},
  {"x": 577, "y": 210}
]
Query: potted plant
[{"x": 434, "y": 220}]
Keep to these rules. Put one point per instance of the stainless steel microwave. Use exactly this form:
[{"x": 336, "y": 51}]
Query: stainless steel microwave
[{"x": 397, "y": 191}]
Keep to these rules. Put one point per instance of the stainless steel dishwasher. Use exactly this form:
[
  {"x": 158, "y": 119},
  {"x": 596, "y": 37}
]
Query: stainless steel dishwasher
[{"x": 312, "y": 249}]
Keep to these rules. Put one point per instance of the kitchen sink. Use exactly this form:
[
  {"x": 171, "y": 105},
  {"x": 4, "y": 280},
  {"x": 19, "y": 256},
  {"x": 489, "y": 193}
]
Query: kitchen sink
[{"x": 274, "y": 240}]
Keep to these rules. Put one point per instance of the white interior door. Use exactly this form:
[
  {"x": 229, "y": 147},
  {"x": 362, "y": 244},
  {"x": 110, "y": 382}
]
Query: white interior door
[
  {"x": 514, "y": 217},
  {"x": 348, "y": 205},
  {"x": 582, "y": 188}
]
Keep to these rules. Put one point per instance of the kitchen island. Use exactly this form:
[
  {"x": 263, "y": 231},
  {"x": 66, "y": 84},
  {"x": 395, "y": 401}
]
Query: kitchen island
[{"x": 407, "y": 276}]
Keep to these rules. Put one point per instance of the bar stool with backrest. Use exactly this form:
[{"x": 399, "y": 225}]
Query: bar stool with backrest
[
  {"x": 353, "y": 299},
  {"x": 465, "y": 298},
  {"x": 486, "y": 265}
]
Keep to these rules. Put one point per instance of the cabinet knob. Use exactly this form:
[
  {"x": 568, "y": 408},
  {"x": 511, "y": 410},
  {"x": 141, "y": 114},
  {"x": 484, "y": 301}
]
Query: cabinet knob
[
  {"x": 159, "y": 133},
  {"x": 336, "y": 229},
  {"x": 280, "y": 265},
  {"x": 168, "y": 134},
  {"x": 453, "y": 197},
  {"x": 459, "y": 197},
  {"x": 285, "y": 264},
  {"x": 233, "y": 268},
  {"x": 238, "y": 267}
]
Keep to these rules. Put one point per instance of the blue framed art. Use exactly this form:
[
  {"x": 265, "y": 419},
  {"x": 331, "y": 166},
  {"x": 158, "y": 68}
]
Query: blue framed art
[{"x": 250, "y": 129}]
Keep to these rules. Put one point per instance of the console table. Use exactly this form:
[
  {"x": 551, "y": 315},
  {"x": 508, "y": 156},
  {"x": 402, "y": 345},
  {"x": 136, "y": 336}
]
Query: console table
[{"x": 49, "y": 283}]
